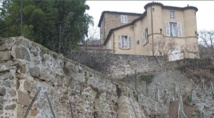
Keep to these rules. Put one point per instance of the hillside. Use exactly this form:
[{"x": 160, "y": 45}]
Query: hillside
[{"x": 38, "y": 83}]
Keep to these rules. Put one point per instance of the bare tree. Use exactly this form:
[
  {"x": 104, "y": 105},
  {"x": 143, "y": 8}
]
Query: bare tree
[
  {"x": 206, "y": 46},
  {"x": 207, "y": 38},
  {"x": 162, "y": 49}
]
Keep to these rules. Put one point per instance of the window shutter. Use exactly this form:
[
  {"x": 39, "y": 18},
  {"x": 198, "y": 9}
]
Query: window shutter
[
  {"x": 143, "y": 38},
  {"x": 179, "y": 29},
  {"x": 167, "y": 29},
  {"x": 119, "y": 42},
  {"x": 126, "y": 19},
  {"x": 129, "y": 42},
  {"x": 146, "y": 38}
]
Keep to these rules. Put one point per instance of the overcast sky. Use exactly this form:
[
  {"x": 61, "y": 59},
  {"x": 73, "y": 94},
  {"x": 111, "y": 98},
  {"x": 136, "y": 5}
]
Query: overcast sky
[{"x": 205, "y": 17}]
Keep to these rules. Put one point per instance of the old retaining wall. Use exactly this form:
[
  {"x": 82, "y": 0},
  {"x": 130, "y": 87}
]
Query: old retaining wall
[
  {"x": 120, "y": 66},
  {"x": 26, "y": 68},
  {"x": 66, "y": 88}
]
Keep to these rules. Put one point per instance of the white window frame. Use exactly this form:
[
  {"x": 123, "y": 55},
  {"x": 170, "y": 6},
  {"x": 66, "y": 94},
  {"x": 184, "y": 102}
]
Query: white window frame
[
  {"x": 124, "y": 18},
  {"x": 124, "y": 42},
  {"x": 172, "y": 14},
  {"x": 173, "y": 30}
]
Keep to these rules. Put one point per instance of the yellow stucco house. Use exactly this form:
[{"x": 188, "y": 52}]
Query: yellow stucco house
[{"x": 160, "y": 30}]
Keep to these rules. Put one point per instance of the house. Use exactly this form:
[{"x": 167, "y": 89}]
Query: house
[{"x": 160, "y": 30}]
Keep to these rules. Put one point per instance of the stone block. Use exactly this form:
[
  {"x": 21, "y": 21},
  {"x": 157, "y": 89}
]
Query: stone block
[
  {"x": 20, "y": 112},
  {"x": 27, "y": 86},
  {"x": 23, "y": 98},
  {"x": 7, "y": 84},
  {"x": 2, "y": 91},
  {"x": 6, "y": 76},
  {"x": 5, "y": 55},
  {"x": 10, "y": 107},
  {"x": 45, "y": 75},
  {"x": 35, "y": 71},
  {"x": 10, "y": 42},
  {"x": 22, "y": 68},
  {"x": 1, "y": 106},
  {"x": 22, "y": 53},
  {"x": 1, "y": 103},
  {"x": 3, "y": 47},
  {"x": 1, "y": 99},
  {"x": 34, "y": 112},
  {"x": 12, "y": 92}
]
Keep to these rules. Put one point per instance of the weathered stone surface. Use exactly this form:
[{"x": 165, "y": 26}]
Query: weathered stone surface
[
  {"x": 12, "y": 92},
  {"x": 5, "y": 55},
  {"x": 2, "y": 91},
  {"x": 6, "y": 76},
  {"x": 20, "y": 112},
  {"x": 22, "y": 53},
  {"x": 34, "y": 112},
  {"x": 45, "y": 75},
  {"x": 1, "y": 103},
  {"x": 7, "y": 84},
  {"x": 10, "y": 42},
  {"x": 1, "y": 106},
  {"x": 22, "y": 68},
  {"x": 35, "y": 71},
  {"x": 10, "y": 107},
  {"x": 3, "y": 47},
  {"x": 27, "y": 86},
  {"x": 23, "y": 98},
  {"x": 1, "y": 99}
]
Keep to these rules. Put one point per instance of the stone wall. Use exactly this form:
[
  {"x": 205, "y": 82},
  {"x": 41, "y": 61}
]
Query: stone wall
[
  {"x": 65, "y": 88},
  {"x": 119, "y": 66},
  {"x": 37, "y": 80}
]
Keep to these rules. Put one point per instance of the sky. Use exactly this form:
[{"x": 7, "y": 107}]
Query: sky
[{"x": 205, "y": 17}]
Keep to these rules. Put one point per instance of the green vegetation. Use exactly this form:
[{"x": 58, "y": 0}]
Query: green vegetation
[
  {"x": 147, "y": 78},
  {"x": 56, "y": 24}
]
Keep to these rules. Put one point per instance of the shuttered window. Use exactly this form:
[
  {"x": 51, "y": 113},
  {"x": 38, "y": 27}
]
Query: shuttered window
[
  {"x": 179, "y": 29},
  {"x": 167, "y": 29},
  {"x": 173, "y": 29},
  {"x": 124, "y": 18},
  {"x": 144, "y": 37},
  {"x": 124, "y": 42}
]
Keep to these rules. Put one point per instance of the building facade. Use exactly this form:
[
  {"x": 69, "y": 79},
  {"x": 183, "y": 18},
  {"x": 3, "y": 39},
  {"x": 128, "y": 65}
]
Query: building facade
[
  {"x": 160, "y": 30},
  {"x": 110, "y": 20}
]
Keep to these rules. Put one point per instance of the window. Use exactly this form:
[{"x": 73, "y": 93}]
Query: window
[
  {"x": 172, "y": 14},
  {"x": 144, "y": 37},
  {"x": 124, "y": 42},
  {"x": 173, "y": 29},
  {"x": 124, "y": 19}
]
